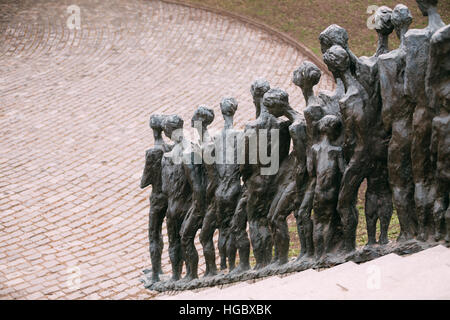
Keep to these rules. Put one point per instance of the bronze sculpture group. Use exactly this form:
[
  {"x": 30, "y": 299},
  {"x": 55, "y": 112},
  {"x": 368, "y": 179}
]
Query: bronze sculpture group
[{"x": 386, "y": 122}]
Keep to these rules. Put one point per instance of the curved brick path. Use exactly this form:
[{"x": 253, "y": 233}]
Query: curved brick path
[{"x": 74, "y": 109}]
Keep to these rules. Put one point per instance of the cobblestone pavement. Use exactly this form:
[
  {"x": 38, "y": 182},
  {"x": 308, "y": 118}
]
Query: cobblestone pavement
[{"x": 74, "y": 110}]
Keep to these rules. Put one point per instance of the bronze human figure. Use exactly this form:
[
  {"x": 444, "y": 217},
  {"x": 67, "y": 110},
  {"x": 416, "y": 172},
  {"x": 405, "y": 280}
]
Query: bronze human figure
[
  {"x": 209, "y": 224},
  {"x": 326, "y": 166},
  {"x": 306, "y": 77},
  {"x": 364, "y": 70},
  {"x": 177, "y": 190},
  {"x": 397, "y": 114},
  {"x": 438, "y": 83},
  {"x": 239, "y": 240},
  {"x": 197, "y": 178},
  {"x": 378, "y": 202},
  {"x": 417, "y": 47},
  {"x": 261, "y": 188},
  {"x": 356, "y": 121},
  {"x": 290, "y": 179},
  {"x": 158, "y": 200},
  {"x": 229, "y": 189}
]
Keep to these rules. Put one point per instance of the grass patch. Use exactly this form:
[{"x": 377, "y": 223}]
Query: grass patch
[{"x": 305, "y": 19}]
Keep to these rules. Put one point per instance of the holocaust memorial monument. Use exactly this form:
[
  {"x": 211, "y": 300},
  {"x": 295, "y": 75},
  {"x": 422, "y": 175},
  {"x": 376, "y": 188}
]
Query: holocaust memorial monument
[
  {"x": 387, "y": 122},
  {"x": 224, "y": 150}
]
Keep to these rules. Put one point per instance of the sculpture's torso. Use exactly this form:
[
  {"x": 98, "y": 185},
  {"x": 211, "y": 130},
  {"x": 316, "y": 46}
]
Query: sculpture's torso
[
  {"x": 261, "y": 187},
  {"x": 297, "y": 131},
  {"x": 367, "y": 75},
  {"x": 174, "y": 183},
  {"x": 228, "y": 174},
  {"x": 400, "y": 109},
  {"x": 355, "y": 116},
  {"x": 154, "y": 157},
  {"x": 441, "y": 127},
  {"x": 328, "y": 175},
  {"x": 417, "y": 47}
]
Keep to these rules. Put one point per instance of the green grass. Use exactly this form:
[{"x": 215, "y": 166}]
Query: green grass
[{"x": 305, "y": 19}]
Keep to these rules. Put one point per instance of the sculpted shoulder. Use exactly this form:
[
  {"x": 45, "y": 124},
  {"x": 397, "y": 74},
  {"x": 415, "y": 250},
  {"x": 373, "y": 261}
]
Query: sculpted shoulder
[
  {"x": 253, "y": 124},
  {"x": 298, "y": 128},
  {"x": 390, "y": 56},
  {"x": 154, "y": 154},
  {"x": 415, "y": 36}
]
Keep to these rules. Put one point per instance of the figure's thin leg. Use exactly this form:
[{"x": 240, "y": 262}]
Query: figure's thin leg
[
  {"x": 244, "y": 250},
  {"x": 371, "y": 216},
  {"x": 222, "y": 244},
  {"x": 225, "y": 213},
  {"x": 447, "y": 219},
  {"x": 304, "y": 222},
  {"x": 175, "y": 252},
  {"x": 240, "y": 236},
  {"x": 404, "y": 204},
  {"x": 282, "y": 239},
  {"x": 420, "y": 198},
  {"x": 206, "y": 239},
  {"x": 422, "y": 169},
  {"x": 318, "y": 239},
  {"x": 271, "y": 217},
  {"x": 156, "y": 218},
  {"x": 329, "y": 233},
  {"x": 267, "y": 241},
  {"x": 257, "y": 242},
  {"x": 231, "y": 251},
  {"x": 385, "y": 218},
  {"x": 352, "y": 179},
  {"x": 281, "y": 235},
  {"x": 187, "y": 240},
  {"x": 439, "y": 211},
  {"x": 381, "y": 196},
  {"x": 154, "y": 246},
  {"x": 402, "y": 184}
]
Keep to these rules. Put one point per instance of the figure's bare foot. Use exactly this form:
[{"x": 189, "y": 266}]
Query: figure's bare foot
[
  {"x": 188, "y": 278},
  {"x": 210, "y": 273},
  {"x": 421, "y": 237},
  {"x": 383, "y": 240},
  {"x": 240, "y": 269},
  {"x": 259, "y": 266},
  {"x": 321, "y": 259},
  {"x": 438, "y": 236},
  {"x": 305, "y": 258},
  {"x": 175, "y": 278},
  {"x": 402, "y": 237},
  {"x": 155, "y": 278}
]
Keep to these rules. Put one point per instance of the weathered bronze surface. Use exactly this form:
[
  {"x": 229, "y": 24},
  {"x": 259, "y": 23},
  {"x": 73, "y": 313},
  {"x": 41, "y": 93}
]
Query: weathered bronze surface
[{"x": 387, "y": 123}]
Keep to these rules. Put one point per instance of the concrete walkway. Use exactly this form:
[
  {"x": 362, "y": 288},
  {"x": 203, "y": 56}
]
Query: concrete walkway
[
  {"x": 74, "y": 110},
  {"x": 424, "y": 275}
]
